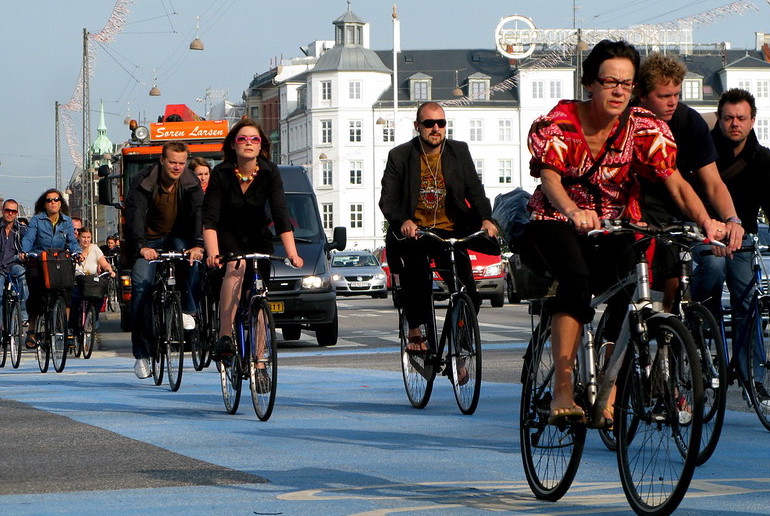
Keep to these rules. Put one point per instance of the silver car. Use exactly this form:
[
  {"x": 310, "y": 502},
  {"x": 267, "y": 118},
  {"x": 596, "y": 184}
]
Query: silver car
[{"x": 358, "y": 273}]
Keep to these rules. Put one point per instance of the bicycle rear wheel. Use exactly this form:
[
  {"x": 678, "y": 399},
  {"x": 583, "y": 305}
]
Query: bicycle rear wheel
[
  {"x": 88, "y": 336},
  {"x": 602, "y": 355},
  {"x": 15, "y": 332},
  {"x": 550, "y": 453},
  {"x": 759, "y": 364},
  {"x": 263, "y": 359},
  {"x": 174, "y": 337},
  {"x": 199, "y": 348},
  {"x": 58, "y": 335},
  {"x": 112, "y": 294},
  {"x": 6, "y": 341},
  {"x": 660, "y": 402},
  {"x": 707, "y": 335},
  {"x": 158, "y": 353},
  {"x": 43, "y": 350},
  {"x": 465, "y": 354},
  {"x": 231, "y": 379},
  {"x": 418, "y": 370}
]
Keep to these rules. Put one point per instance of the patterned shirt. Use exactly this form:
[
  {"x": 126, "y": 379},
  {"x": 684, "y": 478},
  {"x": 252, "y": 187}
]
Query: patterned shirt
[
  {"x": 430, "y": 211},
  {"x": 556, "y": 141}
]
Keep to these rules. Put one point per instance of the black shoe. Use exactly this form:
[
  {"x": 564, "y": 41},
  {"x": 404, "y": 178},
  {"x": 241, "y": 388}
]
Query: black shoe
[
  {"x": 224, "y": 347},
  {"x": 763, "y": 397}
]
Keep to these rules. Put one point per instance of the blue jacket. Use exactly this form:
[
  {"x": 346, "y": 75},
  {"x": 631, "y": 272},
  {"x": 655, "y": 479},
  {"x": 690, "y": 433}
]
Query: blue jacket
[{"x": 41, "y": 235}]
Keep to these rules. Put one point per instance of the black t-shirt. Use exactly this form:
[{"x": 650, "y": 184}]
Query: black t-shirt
[{"x": 695, "y": 149}]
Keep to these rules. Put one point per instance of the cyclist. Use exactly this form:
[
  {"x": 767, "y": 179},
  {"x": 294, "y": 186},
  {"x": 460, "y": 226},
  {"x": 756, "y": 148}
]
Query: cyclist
[
  {"x": 11, "y": 233},
  {"x": 744, "y": 165},
  {"x": 431, "y": 182},
  {"x": 93, "y": 263},
  {"x": 235, "y": 219},
  {"x": 50, "y": 228},
  {"x": 163, "y": 212},
  {"x": 587, "y": 155}
]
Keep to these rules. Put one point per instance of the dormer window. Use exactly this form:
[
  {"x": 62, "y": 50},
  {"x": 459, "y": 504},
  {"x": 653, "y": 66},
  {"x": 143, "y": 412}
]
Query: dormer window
[
  {"x": 478, "y": 86},
  {"x": 692, "y": 89},
  {"x": 420, "y": 87}
]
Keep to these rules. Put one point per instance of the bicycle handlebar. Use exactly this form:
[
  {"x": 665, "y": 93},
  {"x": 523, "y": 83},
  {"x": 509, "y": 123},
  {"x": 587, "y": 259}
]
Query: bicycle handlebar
[
  {"x": 451, "y": 241},
  {"x": 687, "y": 231},
  {"x": 256, "y": 256},
  {"x": 171, "y": 255}
]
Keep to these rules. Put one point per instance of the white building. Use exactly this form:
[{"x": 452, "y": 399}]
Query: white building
[{"x": 332, "y": 111}]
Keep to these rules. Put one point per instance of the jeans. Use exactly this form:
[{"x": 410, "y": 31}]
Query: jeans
[
  {"x": 18, "y": 271},
  {"x": 142, "y": 279},
  {"x": 709, "y": 275}
]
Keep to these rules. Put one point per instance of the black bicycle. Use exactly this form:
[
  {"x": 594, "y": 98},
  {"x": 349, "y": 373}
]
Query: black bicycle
[
  {"x": 12, "y": 330},
  {"x": 206, "y": 334},
  {"x": 113, "y": 303},
  {"x": 457, "y": 353},
  {"x": 92, "y": 291}
]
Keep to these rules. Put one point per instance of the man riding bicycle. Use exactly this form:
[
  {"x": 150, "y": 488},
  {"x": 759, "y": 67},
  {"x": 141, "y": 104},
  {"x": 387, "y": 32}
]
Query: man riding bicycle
[{"x": 431, "y": 182}]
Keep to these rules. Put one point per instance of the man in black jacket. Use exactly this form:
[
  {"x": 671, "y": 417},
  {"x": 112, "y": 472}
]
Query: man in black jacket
[
  {"x": 163, "y": 212},
  {"x": 744, "y": 166},
  {"x": 431, "y": 182}
]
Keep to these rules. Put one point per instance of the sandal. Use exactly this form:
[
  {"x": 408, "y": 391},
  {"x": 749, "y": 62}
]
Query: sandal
[
  {"x": 30, "y": 343},
  {"x": 609, "y": 418},
  {"x": 418, "y": 345},
  {"x": 573, "y": 412}
]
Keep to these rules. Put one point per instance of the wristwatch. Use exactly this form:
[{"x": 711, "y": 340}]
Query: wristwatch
[{"x": 735, "y": 220}]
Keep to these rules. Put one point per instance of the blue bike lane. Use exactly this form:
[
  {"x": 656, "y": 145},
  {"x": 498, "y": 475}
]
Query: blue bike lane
[{"x": 340, "y": 441}]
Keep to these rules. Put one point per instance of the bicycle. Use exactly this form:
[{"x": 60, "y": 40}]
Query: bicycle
[
  {"x": 113, "y": 304},
  {"x": 254, "y": 335},
  {"x": 12, "y": 329},
  {"x": 206, "y": 335},
  {"x": 167, "y": 319},
  {"x": 659, "y": 397},
  {"x": 457, "y": 349},
  {"x": 91, "y": 300}
]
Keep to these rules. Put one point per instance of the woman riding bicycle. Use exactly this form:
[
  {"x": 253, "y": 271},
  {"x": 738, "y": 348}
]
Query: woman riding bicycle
[
  {"x": 235, "y": 218},
  {"x": 587, "y": 155},
  {"x": 50, "y": 228},
  {"x": 93, "y": 263}
]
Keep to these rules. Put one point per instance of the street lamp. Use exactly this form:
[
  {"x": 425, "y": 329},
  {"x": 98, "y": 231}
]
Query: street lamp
[{"x": 196, "y": 44}]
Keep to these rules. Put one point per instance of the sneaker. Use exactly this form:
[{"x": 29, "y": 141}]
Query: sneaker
[
  {"x": 188, "y": 322},
  {"x": 763, "y": 397},
  {"x": 142, "y": 368}
]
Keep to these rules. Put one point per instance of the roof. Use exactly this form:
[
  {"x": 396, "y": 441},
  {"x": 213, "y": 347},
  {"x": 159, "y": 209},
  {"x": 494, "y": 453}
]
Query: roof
[{"x": 350, "y": 59}]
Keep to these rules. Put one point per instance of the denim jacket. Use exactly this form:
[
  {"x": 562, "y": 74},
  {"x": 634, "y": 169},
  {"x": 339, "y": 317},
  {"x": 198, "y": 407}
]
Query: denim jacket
[{"x": 42, "y": 235}]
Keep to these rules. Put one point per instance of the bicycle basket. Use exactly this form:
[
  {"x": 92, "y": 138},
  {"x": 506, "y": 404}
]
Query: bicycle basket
[
  {"x": 528, "y": 283},
  {"x": 57, "y": 269},
  {"x": 92, "y": 286}
]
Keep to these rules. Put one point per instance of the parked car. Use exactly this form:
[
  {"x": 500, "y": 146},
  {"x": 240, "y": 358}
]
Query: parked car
[
  {"x": 357, "y": 273},
  {"x": 489, "y": 274}
]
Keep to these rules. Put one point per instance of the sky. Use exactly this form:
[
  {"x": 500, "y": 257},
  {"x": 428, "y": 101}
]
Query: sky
[{"x": 42, "y": 53}]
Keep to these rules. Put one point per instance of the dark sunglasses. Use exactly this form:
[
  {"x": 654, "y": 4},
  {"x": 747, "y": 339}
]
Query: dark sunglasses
[
  {"x": 53, "y": 199},
  {"x": 8, "y": 210},
  {"x": 430, "y": 122}
]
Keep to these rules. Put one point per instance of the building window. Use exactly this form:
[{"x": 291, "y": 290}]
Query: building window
[
  {"x": 505, "y": 130},
  {"x": 327, "y": 173},
  {"x": 691, "y": 89},
  {"x": 537, "y": 90},
  {"x": 477, "y": 130},
  {"x": 388, "y": 131},
  {"x": 355, "y": 130},
  {"x": 420, "y": 90},
  {"x": 326, "y": 131},
  {"x": 326, "y": 90},
  {"x": 356, "y": 173},
  {"x": 479, "y": 90},
  {"x": 505, "y": 167},
  {"x": 555, "y": 89},
  {"x": 763, "y": 89},
  {"x": 327, "y": 212},
  {"x": 356, "y": 216},
  {"x": 762, "y": 129},
  {"x": 479, "y": 163},
  {"x": 254, "y": 113},
  {"x": 450, "y": 129},
  {"x": 355, "y": 89},
  {"x": 744, "y": 85}
]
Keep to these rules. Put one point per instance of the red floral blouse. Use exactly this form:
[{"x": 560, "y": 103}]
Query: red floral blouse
[{"x": 646, "y": 147}]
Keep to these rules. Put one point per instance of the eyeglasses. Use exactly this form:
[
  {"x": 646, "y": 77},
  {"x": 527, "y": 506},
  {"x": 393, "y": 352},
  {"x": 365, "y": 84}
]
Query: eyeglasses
[
  {"x": 430, "y": 122},
  {"x": 243, "y": 139},
  {"x": 8, "y": 210},
  {"x": 53, "y": 199},
  {"x": 609, "y": 83}
]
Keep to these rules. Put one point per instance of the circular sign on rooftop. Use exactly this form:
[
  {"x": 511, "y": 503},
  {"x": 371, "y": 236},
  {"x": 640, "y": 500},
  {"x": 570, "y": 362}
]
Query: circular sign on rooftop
[{"x": 513, "y": 39}]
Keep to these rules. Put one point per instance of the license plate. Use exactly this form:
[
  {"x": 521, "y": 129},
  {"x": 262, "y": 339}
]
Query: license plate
[
  {"x": 276, "y": 306},
  {"x": 359, "y": 284}
]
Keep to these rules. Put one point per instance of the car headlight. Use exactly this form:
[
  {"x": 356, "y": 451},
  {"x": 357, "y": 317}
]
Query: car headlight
[
  {"x": 380, "y": 276},
  {"x": 494, "y": 270},
  {"x": 336, "y": 277},
  {"x": 313, "y": 282}
]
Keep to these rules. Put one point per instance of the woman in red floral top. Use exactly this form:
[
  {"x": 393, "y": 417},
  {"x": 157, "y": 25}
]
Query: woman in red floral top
[{"x": 564, "y": 146}]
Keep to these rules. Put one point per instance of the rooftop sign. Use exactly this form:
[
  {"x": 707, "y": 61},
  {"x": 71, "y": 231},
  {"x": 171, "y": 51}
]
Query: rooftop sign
[{"x": 200, "y": 130}]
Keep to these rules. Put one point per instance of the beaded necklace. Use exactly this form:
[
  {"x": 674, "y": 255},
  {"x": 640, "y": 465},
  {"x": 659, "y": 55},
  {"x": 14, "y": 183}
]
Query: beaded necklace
[{"x": 248, "y": 177}]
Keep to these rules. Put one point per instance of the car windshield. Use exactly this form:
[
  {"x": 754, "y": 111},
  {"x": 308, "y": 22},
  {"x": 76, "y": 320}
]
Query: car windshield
[
  {"x": 354, "y": 261},
  {"x": 304, "y": 217}
]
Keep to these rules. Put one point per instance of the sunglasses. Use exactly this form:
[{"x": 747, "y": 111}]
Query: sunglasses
[
  {"x": 53, "y": 199},
  {"x": 243, "y": 139},
  {"x": 8, "y": 210},
  {"x": 430, "y": 122}
]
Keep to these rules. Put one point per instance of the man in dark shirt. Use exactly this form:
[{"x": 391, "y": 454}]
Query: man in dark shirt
[
  {"x": 163, "y": 212},
  {"x": 659, "y": 88},
  {"x": 11, "y": 233},
  {"x": 744, "y": 165}
]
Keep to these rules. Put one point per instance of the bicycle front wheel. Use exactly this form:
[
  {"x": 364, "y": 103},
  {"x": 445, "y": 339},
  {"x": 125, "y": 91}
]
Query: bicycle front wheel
[
  {"x": 465, "y": 354},
  {"x": 263, "y": 359},
  {"x": 58, "y": 335},
  {"x": 14, "y": 332},
  {"x": 43, "y": 351},
  {"x": 231, "y": 379},
  {"x": 707, "y": 335},
  {"x": 174, "y": 337},
  {"x": 550, "y": 453},
  {"x": 659, "y": 403},
  {"x": 418, "y": 370},
  {"x": 88, "y": 338},
  {"x": 199, "y": 348},
  {"x": 759, "y": 365},
  {"x": 112, "y": 295}
]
